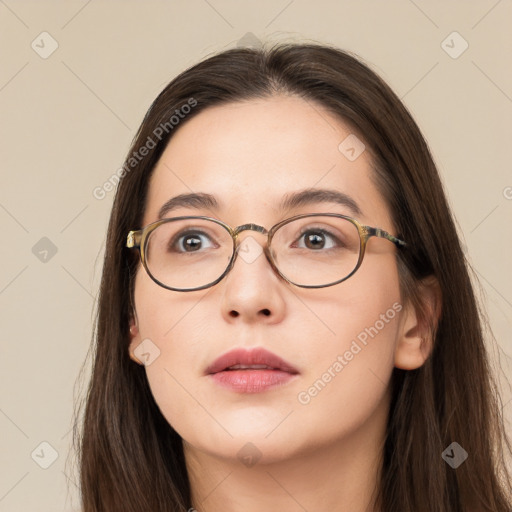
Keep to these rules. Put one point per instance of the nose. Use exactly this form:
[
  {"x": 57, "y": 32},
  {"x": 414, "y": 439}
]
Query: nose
[
  {"x": 250, "y": 290},
  {"x": 249, "y": 249}
]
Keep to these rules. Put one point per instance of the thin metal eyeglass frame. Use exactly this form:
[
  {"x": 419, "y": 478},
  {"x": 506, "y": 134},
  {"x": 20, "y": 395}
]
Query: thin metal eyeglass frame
[{"x": 138, "y": 240}]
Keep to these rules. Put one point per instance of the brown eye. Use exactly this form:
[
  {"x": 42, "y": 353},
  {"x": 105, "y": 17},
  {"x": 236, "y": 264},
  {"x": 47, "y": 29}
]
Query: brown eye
[
  {"x": 317, "y": 238},
  {"x": 189, "y": 241}
]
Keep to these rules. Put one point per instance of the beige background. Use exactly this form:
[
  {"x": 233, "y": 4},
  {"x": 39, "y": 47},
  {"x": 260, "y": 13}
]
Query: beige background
[{"x": 67, "y": 121}]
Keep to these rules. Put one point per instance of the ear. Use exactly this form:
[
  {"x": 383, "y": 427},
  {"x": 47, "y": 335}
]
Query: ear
[
  {"x": 135, "y": 339},
  {"x": 418, "y": 326}
]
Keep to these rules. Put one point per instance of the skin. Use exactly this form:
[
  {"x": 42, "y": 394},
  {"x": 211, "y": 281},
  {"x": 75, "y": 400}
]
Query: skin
[{"x": 323, "y": 455}]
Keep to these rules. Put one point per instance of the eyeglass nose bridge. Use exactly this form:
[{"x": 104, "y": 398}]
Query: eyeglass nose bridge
[
  {"x": 250, "y": 227},
  {"x": 266, "y": 250}
]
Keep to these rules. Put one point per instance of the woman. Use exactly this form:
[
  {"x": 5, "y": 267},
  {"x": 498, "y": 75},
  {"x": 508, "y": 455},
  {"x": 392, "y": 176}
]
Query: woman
[{"x": 286, "y": 319}]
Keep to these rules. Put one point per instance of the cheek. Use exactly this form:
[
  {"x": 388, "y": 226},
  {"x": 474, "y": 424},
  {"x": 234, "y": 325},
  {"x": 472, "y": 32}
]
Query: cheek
[
  {"x": 179, "y": 330},
  {"x": 349, "y": 373},
  {"x": 166, "y": 315},
  {"x": 353, "y": 371}
]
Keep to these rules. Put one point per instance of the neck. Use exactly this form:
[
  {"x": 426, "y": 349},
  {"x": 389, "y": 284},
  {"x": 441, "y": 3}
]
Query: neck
[{"x": 340, "y": 476}]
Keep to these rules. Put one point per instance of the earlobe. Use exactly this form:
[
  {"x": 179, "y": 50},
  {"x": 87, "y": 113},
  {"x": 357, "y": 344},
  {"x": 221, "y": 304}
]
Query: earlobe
[
  {"x": 413, "y": 348},
  {"x": 135, "y": 340},
  {"x": 418, "y": 326}
]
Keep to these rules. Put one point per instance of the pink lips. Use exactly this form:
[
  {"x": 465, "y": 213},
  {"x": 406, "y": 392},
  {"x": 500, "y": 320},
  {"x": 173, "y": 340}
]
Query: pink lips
[{"x": 255, "y": 370}]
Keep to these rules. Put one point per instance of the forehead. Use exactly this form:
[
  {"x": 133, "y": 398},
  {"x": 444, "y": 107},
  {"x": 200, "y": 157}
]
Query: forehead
[{"x": 252, "y": 155}]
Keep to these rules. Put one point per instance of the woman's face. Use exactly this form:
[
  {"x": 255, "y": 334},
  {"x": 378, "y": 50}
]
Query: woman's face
[{"x": 341, "y": 339}]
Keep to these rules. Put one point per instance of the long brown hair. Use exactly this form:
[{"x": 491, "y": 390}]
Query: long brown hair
[{"x": 131, "y": 459}]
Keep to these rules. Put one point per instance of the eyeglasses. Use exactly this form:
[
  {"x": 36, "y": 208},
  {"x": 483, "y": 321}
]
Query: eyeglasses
[{"x": 310, "y": 250}]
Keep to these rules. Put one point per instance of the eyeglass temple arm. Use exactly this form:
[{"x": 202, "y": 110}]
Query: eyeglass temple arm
[
  {"x": 133, "y": 239},
  {"x": 380, "y": 233}
]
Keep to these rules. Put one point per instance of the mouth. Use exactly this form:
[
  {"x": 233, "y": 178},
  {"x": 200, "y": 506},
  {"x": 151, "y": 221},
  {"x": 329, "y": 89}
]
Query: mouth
[
  {"x": 251, "y": 371},
  {"x": 255, "y": 359}
]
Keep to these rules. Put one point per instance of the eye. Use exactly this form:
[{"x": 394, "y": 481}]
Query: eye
[
  {"x": 190, "y": 241},
  {"x": 316, "y": 238}
]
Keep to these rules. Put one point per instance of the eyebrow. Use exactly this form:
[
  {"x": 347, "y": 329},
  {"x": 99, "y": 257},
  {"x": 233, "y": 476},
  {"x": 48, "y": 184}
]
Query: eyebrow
[{"x": 292, "y": 200}]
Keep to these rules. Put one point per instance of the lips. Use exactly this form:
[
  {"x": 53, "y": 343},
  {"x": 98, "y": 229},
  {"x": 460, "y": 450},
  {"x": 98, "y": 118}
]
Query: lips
[
  {"x": 250, "y": 360},
  {"x": 252, "y": 371}
]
